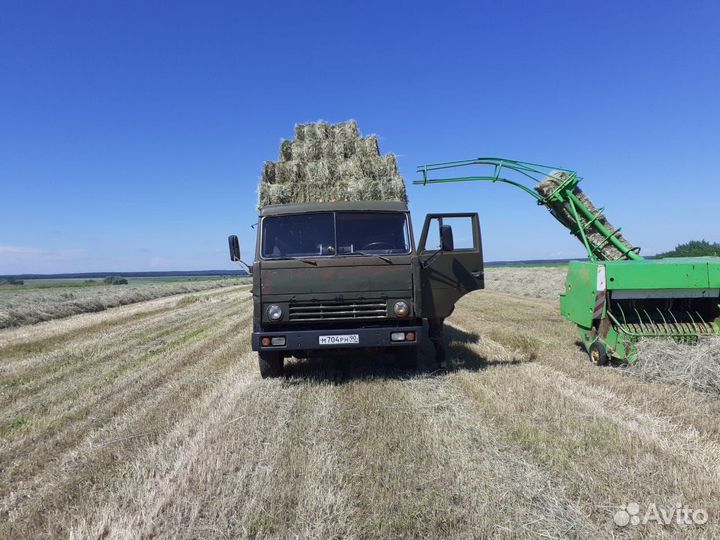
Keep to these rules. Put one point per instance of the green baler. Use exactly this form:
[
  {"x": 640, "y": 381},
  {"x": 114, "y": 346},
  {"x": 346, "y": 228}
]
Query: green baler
[
  {"x": 615, "y": 303},
  {"x": 616, "y": 297}
]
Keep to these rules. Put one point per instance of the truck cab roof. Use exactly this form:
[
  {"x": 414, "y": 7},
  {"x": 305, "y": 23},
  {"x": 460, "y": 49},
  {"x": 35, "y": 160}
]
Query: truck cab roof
[{"x": 347, "y": 206}]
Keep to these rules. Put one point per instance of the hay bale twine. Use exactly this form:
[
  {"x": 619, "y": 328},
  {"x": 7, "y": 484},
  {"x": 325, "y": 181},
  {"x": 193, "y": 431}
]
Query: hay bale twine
[{"x": 326, "y": 162}]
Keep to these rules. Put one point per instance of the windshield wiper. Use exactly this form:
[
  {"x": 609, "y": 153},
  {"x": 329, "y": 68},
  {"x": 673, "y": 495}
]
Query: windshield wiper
[
  {"x": 293, "y": 259},
  {"x": 363, "y": 254}
]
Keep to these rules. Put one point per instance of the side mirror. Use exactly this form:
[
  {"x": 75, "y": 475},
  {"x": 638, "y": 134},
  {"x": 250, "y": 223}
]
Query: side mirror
[
  {"x": 234, "y": 244},
  {"x": 447, "y": 243}
]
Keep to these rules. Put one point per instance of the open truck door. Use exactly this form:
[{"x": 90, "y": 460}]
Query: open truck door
[{"x": 450, "y": 262}]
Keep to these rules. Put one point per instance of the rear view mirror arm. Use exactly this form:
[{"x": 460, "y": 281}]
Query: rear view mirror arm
[
  {"x": 246, "y": 265},
  {"x": 234, "y": 245}
]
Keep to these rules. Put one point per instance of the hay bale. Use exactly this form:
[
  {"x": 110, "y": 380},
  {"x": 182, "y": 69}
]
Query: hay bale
[
  {"x": 326, "y": 162},
  {"x": 285, "y": 150},
  {"x": 605, "y": 251},
  {"x": 695, "y": 366}
]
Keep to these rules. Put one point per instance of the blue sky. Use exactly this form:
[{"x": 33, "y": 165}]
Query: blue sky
[{"x": 132, "y": 133}]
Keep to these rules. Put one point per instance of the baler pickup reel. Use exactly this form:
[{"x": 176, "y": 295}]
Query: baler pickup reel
[{"x": 616, "y": 297}]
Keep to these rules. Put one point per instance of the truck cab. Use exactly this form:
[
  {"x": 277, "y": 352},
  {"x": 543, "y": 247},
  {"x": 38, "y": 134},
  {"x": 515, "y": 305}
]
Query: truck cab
[{"x": 328, "y": 277}]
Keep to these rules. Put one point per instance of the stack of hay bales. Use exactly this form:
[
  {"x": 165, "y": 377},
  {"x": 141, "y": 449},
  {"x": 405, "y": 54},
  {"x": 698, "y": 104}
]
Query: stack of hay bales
[
  {"x": 607, "y": 251},
  {"x": 326, "y": 162}
]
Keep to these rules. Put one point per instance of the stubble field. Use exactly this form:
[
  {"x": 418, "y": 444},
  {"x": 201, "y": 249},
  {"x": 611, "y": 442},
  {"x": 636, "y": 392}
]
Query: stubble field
[{"x": 151, "y": 420}]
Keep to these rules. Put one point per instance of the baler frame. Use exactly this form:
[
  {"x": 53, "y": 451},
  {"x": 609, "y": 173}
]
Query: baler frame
[{"x": 688, "y": 290}]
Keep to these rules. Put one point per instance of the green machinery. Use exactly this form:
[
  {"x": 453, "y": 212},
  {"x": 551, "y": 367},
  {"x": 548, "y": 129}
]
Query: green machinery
[{"x": 616, "y": 297}]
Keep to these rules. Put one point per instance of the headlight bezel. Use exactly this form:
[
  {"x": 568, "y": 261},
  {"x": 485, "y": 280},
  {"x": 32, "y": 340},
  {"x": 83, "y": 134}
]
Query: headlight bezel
[
  {"x": 274, "y": 312},
  {"x": 401, "y": 308}
]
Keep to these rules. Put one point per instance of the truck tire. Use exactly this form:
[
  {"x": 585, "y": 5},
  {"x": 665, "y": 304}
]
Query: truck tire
[
  {"x": 598, "y": 354},
  {"x": 407, "y": 357},
  {"x": 271, "y": 364}
]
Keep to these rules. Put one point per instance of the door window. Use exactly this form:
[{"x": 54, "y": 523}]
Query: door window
[
  {"x": 462, "y": 228},
  {"x": 432, "y": 243}
]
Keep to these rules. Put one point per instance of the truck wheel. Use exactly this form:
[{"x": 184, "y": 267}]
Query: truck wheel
[
  {"x": 407, "y": 357},
  {"x": 598, "y": 354},
  {"x": 271, "y": 364}
]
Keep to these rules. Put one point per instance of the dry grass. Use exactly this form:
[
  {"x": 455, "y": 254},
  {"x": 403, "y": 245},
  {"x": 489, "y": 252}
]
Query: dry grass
[
  {"x": 151, "y": 421},
  {"x": 696, "y": 366},
  {"x": 539, "y": 282},
  {"x": 19, "y": 307}
]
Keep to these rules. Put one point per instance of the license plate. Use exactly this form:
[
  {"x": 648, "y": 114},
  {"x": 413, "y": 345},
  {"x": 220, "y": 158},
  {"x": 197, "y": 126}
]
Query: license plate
[{"x": 346, "y": 339}]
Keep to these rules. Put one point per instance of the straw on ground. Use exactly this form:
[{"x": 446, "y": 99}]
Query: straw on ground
[{"x": 152, "y": 420}]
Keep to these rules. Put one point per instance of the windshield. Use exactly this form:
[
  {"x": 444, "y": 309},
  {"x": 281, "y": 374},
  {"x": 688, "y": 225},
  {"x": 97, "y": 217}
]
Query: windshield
[{"x": 335, "y": 233}]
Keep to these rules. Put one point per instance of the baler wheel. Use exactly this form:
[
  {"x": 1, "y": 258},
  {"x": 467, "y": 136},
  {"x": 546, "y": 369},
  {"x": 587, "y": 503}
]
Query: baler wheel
[{"x": 598, "y": 354}]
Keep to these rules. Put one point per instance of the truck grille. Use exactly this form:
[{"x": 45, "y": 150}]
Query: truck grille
[{"x": 337, "y": 311}]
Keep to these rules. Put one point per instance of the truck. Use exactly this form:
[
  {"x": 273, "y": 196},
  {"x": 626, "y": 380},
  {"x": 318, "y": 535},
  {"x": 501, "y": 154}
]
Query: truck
[{"x": 329, "y": 277}]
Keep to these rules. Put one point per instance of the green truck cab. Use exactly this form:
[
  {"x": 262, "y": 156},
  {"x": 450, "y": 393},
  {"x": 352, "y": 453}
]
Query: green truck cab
[{"x": 346, "y": 275}]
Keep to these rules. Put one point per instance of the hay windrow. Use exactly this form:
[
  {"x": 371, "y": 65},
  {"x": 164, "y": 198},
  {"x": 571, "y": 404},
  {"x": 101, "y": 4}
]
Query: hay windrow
[
  {"x": 696, "y": 366},
  {"x": 330, "y": 162},
  {"x": 606, "y": 250},
  {"x": 21, "y": 307}
]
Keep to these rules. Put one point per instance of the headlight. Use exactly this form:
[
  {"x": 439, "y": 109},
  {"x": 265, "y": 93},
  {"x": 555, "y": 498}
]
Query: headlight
[
  {"x": 401, "y": 308},
  {"x": 274, "y": 313}
]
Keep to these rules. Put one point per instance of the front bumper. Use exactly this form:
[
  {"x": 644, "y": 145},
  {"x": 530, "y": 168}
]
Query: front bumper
[{"x": 309, "y": 340}]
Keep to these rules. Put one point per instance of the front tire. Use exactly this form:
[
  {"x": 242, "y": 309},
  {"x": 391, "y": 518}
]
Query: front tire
[
  {"x": 598, "y": 354},
  {"x": 271, "y": 364},
  {"x": 407, "y": 357}
]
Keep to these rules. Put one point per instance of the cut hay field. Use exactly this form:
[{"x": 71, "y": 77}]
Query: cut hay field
[
  {"x": 151, "y": 420},
  {"x": 45, "y": 299}
]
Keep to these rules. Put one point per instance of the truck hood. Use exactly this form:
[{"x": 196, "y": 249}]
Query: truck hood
[{"x": 347, "y": 276}]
